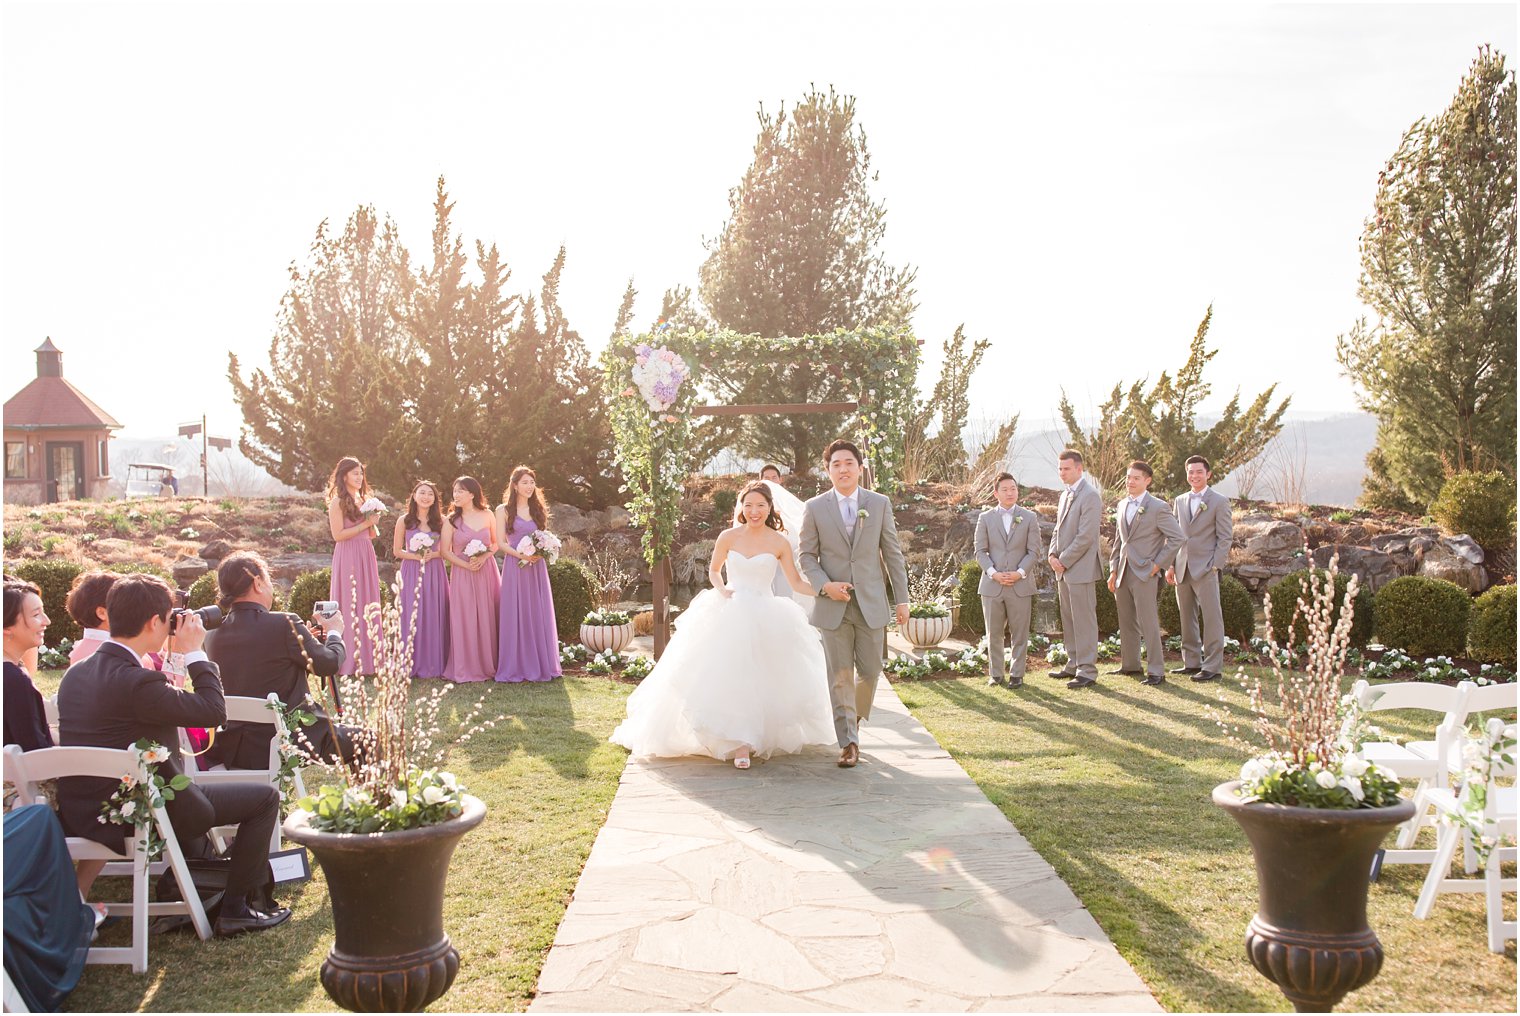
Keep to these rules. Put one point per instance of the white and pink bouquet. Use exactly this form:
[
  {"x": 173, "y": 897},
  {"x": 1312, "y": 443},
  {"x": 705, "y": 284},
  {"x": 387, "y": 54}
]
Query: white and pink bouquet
[
  {"x": 658, "y": 374},
  {"x": 372, "y": 506},
  {"x": 421, "y": 543},
  {"x": 474, "y": 549},
  {"x": 540, "y": 542}
]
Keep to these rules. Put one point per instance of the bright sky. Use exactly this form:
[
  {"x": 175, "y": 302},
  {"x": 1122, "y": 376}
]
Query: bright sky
[{"x": 1075, "y": 184}]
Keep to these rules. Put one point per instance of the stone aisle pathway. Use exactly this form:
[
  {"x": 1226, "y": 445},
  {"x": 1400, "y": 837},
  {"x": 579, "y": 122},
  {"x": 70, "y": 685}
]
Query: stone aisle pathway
[{"x": 798, "y": 886}]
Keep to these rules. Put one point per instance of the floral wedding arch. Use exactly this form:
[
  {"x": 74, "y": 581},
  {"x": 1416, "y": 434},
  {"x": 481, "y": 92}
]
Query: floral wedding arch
[{"x": 652, "y": 383}]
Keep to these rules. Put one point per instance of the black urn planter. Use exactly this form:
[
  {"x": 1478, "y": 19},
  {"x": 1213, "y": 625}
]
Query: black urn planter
[
  {"x": 1310, "y": 935},
  {"x": 390, "y": 952}
]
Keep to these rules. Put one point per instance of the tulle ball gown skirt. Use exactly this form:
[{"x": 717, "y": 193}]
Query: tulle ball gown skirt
[{"x": 741, "y": 671}]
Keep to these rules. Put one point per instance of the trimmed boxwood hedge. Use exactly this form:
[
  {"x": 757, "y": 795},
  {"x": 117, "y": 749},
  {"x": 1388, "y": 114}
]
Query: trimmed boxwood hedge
[
  {"x": 306, "y": 590},
  {"x": 1285, "y": 593},
  {"x": 203, "y": 592},
  {"x": 1491, "y": 627},
  {"x": 971, "y": 617},
  {"x": 1234, "y": 602},
  {"x": 53, "y": 577},
  {"x": 1423, "y": 616},
  {"x": 572, "y": 587},
  {"x": 1482, "y": 505}
]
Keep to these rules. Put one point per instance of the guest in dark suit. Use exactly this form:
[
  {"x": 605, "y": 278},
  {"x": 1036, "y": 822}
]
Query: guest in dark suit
[
  {"x": 110, "y": 700},
  {"x": 258, "y": 651},
  {"x": 25, "y": 621}
]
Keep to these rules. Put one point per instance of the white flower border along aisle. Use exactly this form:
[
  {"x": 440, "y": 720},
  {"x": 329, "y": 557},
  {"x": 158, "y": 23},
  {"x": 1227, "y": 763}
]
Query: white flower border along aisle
[{"x": 651, "y": 382}]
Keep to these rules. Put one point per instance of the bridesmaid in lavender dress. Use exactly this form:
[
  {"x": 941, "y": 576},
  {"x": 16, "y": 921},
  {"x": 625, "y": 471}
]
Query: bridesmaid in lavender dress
[
  {"x": 430, "y": 650},
  {"x": 528, "y": 637},
  {"x": 474, "y": 585},
  {"x": 355, "y": 571}
]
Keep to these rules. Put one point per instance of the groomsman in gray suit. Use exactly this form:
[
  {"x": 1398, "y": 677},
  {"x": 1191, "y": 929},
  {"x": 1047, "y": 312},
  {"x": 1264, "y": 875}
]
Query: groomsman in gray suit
[
  {"x": 1208, "y": 531},
  {"x": 848, "y": 549},
  {"x": 1007, "y": 546},
  {"x": 1148, "y": 540},
  {"x": 1075, "y": 560}
]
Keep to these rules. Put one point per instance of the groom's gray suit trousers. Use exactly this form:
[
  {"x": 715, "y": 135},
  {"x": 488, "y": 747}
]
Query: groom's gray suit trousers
[{"x": 853, "y": 655}]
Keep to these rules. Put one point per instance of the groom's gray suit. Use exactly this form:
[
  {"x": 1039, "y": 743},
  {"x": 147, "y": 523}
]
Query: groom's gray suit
[{"x": 852, "y": 632}]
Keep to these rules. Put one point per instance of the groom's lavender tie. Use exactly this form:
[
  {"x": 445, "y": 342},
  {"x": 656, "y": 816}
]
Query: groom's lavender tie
[{"x": 847, "y": 509}]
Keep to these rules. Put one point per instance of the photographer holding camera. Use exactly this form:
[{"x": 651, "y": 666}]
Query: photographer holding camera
[
  {"x": 260, "y": 650},
  {"x": 110, "y": 700}
]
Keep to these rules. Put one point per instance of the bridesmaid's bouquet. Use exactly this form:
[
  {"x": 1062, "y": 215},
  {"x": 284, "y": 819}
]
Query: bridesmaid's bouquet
[
  {"x": 422, "y": 542},
  {"x": 474, "y": 549},
  {"x": 372, "y": 506},
  {"x": 541, "y": 542}
]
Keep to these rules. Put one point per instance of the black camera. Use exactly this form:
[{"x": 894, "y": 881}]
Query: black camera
[{"x": 211, "y": 617}]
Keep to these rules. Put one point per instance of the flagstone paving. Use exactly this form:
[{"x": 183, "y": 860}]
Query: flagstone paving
[{"x": 799, "y": 886}]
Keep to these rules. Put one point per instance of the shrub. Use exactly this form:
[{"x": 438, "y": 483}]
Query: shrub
[
  {"x": 572, "y": 586},
  {"x": 1491, "y": 627},
  {"x": 53, "y": 578},
  {"x": 1482, "y": 505},
  {"x": 970, "y": 600},
  {"x": 1285, "y": 593},
  {"x": 1234, "y": 602},
  {"x": 306, "y": 590},
  {"x": 204, "y": 592},
  {"x": 723, "y": 506},
  {"x": 139, "y": 568},
  {"x": 1423, "y": 616},
  {"x": 1108, "y": 610}
]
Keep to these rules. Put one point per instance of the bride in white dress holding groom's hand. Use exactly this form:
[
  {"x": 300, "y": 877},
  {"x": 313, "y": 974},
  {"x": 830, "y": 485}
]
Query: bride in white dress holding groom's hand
[{"x": 744, "y": 675}]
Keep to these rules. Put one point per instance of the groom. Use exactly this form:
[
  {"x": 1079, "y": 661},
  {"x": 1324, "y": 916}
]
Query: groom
[{"x": 848, "y": 535}]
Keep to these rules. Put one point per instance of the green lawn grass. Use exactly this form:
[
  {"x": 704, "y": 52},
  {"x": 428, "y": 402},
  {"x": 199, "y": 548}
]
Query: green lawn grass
[
  {"x": 1112, "y": 784},
  {"x": 547, "y": 775}
]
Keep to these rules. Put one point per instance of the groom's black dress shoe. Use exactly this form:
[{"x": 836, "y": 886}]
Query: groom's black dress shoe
[
  {"x": 1154, "y": 680},
  {"x": 1186, "y": 670},
  {"x": 1081, "y": 682},
  {"x": 1017, "y": 682},
  {"x": 1061, "y": 675}
]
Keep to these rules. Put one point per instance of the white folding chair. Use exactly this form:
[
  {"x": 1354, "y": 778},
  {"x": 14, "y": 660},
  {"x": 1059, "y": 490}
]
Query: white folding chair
[
  {"x": 1499, "y": 821},
  {"x": 26, "y": 769},
  {"x": 1413, "y": 761},
  {"x": 1485, "y": 699},
  {"x": 240, "y": 709}
]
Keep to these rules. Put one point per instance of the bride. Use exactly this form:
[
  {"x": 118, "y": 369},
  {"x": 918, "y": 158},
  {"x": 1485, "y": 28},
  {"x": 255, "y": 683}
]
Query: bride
[{"x": 745, "y": 674}]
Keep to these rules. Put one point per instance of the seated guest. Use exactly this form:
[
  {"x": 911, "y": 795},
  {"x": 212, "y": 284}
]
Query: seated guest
[
  {"x": 770, "y": 472},
  {"x": 110, "y": 700},
  {"x": 87, "y": 606},
  {"x": 259, "y": 651},
  {"x": 25, "y": 621}
]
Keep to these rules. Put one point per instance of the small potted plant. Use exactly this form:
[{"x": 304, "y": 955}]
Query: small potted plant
[
  {"x": 605, "y": 630},
  {"x": 1314, "y": 811},
  {"x": 929, "y": 619},
  {"x": 384, "y": 832}
]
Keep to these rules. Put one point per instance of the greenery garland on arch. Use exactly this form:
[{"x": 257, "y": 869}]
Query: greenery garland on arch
[{"x": 653, "y": 427}]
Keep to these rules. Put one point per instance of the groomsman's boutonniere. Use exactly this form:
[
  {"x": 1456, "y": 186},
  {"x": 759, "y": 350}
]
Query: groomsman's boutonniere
[
  {"x": 1203, "y": 506},
  {"x": 1141, "y": 510},
  {"x": 862, "y": 514}
]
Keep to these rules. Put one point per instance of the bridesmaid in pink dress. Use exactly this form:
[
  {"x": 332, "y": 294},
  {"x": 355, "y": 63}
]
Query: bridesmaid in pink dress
[
  {"x": 355, "y": 571},
  {"x": 474, "y": 585}
]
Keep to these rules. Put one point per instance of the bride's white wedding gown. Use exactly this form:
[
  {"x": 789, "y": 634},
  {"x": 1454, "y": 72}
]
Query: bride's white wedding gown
[{"x": 742, "y": 670}]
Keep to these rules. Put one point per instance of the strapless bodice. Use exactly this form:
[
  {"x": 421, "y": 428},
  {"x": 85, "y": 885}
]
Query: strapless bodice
[{"x": 751, "y": 574}]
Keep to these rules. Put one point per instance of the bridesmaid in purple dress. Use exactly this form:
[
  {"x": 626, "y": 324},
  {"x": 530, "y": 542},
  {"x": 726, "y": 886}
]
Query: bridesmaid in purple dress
[
  {"x": 430, "y": 650},
  {"x": 474, "y": 585},
  {"x": 528, "y": 638},
  {"x": 355, "y": 571}
]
